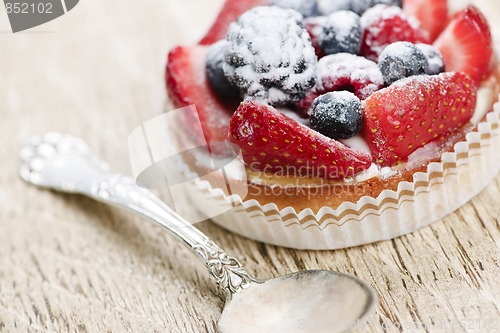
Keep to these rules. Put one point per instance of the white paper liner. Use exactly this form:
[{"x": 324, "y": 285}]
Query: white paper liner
[{"x": 443, "y": 188}]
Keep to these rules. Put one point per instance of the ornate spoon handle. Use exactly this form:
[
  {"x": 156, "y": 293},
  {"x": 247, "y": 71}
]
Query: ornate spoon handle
[
  {"x": 65, "y": 163},
  {"x": 225, "y": 270}
]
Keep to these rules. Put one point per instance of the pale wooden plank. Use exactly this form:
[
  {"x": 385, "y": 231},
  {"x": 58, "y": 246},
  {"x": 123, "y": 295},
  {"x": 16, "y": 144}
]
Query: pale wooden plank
[{"x": 68, "y": 264}]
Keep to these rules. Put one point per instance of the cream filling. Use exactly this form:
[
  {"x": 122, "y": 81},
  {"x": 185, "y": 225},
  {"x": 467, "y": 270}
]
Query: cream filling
[{"x": 485, "y": 97}]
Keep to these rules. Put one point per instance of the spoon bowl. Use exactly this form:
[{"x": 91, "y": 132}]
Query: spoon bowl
[
  {"x": 309, "y": 301},
  {"x": 316, "y": 301}
]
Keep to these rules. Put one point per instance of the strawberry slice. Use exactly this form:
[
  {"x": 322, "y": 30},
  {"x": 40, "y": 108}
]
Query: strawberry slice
[
  {"x": 230, "y": 12},
  {"x": 384, "y": 25},
  {"x": 466, "y": 44},
  {"x": 433, "y": 15},
  {"x": 187, "y": 84},
  {"x": 272, "y": 142},
  {"x": 415, "y": 111}
]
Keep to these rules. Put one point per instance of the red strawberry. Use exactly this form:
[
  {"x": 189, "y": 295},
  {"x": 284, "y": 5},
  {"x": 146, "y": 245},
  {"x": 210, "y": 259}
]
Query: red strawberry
[
  {"x": 466, "y": 44},
  {"x": 343, "y": 71},
  {"x": 230, "y": 12},
  {"x": 187, "y": 84},
  {"x": 415, "y": 111},
  {"x": 384, "y": 25},
  {"x": 270, "y": 141},
  {"x": 433, "y": 15}
]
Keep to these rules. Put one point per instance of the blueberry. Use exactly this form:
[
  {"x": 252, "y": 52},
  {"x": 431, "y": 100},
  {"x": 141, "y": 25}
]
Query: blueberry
[
  {"x": 361, "y": 6},
  {"x": 215, "y": 75},
  {"x": 434, "y": 57},
  {"x": 326, "y": 7},
  {"x": 358, "y": 6},
  {"x": 337, "y": 115},
  {"x": 341, "y": 33},
  {"x": 307, "y": 8},
  {"x": 400, "y": 60}
]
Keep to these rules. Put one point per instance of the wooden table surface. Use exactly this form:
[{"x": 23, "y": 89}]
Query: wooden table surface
[{"x": 70, "y": 264}]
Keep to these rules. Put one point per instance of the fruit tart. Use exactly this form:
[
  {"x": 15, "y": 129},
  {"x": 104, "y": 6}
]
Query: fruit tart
[{"x": 357, "y": 120}]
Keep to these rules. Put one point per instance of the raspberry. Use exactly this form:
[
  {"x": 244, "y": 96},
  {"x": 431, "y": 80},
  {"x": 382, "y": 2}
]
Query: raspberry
[
  {"x": 384, "y": 25},
  {"x": 344, "y": 71},
  {"x": 314, "y": 26},
  {"x": 342, "y": 33},
  {"x": 401, "y": 60},
  {"x": 270, "y": 56},
  {"x": 337, "y": 115},
  {"x": 307, "y": 8},
  {"x": 215, "y": 75}
]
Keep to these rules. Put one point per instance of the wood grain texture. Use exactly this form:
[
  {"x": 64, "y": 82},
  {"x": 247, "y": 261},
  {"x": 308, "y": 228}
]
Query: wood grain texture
[{"x": 69, "y": 264}]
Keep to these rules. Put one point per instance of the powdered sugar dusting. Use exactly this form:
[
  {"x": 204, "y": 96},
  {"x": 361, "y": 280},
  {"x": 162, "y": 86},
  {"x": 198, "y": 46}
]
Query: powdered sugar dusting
[
  {"x": 270, "y": 56},
  {"x": 317, "y": 23},
  {"x": 360, "y": 6},
  {"x": 434, "y": 58},
  {"x": 396, "y": 50},
  {"x": 344, "y": 71},
  {"x": 379, "y": 13},
  {"x": 306, "y": 7},
  {"x": 400, "y": 60},
  {"x": 385, "y": 12},
  {"x": 423, "y": 80},
  {"x": 384, "y": 25},
  {"x": 337, "y": 115},
  {"x": 342, "y": 33},
  {"x": 343, "y": 21},
  {"x": 343, "y": 98},
  {"x": 327, "y": 7},
  {"x": 359, "y": 69}
]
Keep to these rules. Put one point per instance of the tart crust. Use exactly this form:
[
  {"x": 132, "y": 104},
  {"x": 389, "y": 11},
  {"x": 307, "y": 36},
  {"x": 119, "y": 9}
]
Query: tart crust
[{"x": 314, "y": 193}]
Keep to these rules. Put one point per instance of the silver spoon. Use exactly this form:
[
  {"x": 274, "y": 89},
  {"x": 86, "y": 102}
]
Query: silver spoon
[{"x": 308, "y": 301}]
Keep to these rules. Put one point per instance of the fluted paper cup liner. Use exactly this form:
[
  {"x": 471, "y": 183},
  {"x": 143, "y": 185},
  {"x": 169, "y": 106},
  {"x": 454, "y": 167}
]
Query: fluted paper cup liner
[{"x": 444, "y": 187}]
